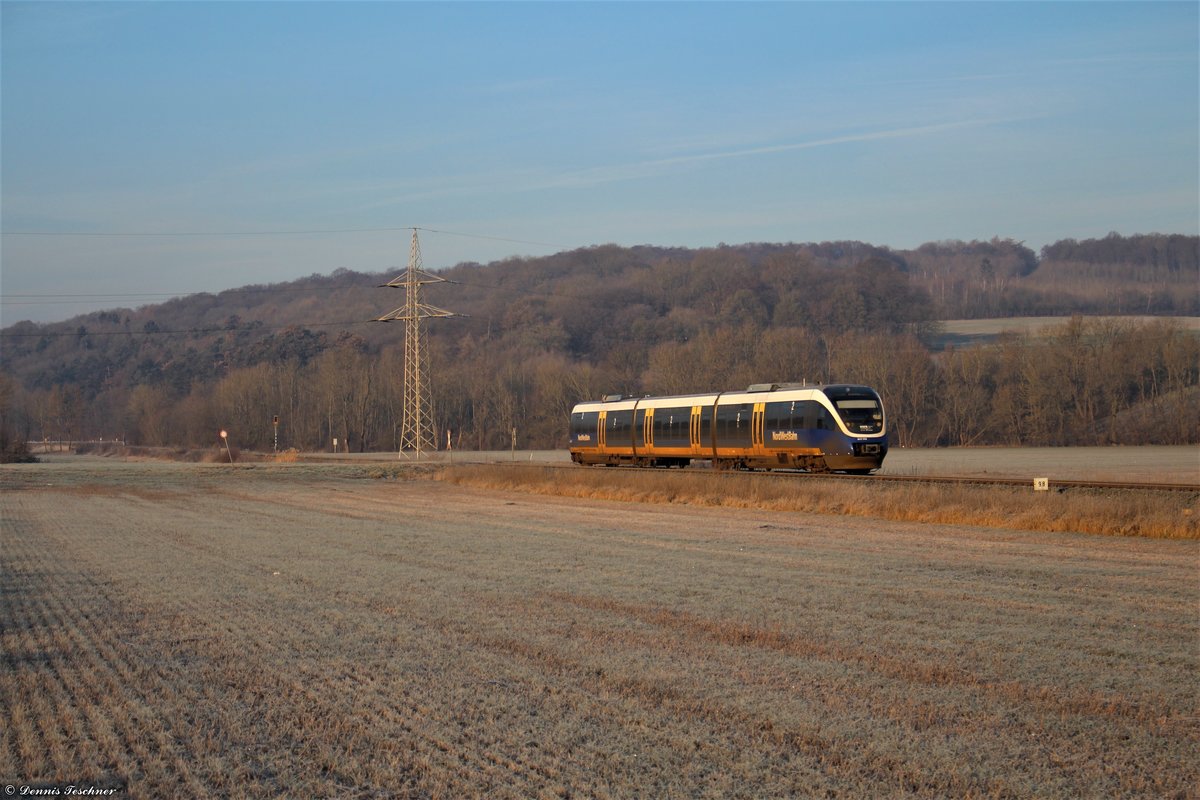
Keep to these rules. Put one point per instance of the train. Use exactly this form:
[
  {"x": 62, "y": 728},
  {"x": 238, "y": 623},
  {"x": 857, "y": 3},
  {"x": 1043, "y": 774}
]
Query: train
[{"x": 824, "y": 428}]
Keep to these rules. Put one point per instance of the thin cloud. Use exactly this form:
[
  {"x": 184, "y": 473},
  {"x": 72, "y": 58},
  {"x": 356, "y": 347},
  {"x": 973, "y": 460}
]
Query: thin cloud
[
  {"x": 633, "y": 171},
  {"x": 531, "y": 181}
]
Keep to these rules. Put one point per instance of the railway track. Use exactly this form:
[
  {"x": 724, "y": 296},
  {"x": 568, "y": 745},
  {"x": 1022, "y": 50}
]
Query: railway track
[{"x": 1052, "y": 485}]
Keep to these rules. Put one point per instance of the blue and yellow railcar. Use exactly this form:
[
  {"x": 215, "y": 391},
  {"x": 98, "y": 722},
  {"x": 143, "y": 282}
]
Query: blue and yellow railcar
[{"x": 840, "y": 428}]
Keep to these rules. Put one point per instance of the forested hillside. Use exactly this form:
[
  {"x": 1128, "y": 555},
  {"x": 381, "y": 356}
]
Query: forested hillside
[{"x": 538, "y": 334}]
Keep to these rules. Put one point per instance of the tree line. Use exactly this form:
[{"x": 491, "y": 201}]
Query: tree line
[
  {"x": 1082, "y": 382},
  {"x": 538, "y": 334}
]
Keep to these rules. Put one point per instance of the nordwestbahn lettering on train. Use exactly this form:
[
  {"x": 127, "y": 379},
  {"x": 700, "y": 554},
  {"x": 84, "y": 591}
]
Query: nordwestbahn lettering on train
[{"x": 836, "y": 428}]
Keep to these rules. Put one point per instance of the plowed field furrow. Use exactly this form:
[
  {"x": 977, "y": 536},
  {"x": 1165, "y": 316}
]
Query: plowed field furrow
[
  {"x": 96, "y": 691},
  {"x": 256, "y": 678}
]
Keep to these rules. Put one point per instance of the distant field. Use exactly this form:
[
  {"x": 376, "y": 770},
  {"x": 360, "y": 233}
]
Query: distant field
[
  {"x": 1148, "y": 464},
  {"x": 301, "y": 630},
  {"x": 993, "y": 327},
  {"x": 966, "y": 332}
]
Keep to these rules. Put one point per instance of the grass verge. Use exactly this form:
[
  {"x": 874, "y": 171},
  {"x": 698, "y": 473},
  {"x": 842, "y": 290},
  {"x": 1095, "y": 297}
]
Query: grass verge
[{"x": 1158, "y": 515}]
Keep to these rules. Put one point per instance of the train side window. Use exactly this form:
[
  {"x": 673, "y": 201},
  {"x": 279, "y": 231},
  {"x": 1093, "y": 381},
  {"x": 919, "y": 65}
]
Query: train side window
[
  {"x": 620, "y": 423},
  {"x": 811, "y": 415},
  {"x": 584, "y": 423},
  {"x": 733, "y": 425},
  {"x": 778, "y": 417},
  {"x": 804, "y": 415},
  {"x": 672, "y": 427}
]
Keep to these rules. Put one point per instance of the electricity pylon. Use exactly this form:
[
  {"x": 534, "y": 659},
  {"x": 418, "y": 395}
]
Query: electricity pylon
[{"x": 416, "y": 427}]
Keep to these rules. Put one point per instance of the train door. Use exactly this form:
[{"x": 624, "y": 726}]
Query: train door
[
  {"x": 648, "y": 428},
  {"x": 694, "y": 428},
  {"x": 600, "y": 429},
  {"x": 757, "y": 425}
]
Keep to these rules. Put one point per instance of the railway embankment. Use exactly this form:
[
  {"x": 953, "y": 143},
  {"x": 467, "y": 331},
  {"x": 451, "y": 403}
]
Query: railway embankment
[{"x": 1151, "y": 513}]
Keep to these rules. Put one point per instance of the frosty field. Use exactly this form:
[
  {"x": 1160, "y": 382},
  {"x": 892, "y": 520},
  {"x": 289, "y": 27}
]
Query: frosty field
[{"x": 308, "y": 630}]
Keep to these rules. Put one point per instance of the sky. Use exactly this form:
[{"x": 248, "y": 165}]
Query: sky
[{"x": 152, "y": 149}]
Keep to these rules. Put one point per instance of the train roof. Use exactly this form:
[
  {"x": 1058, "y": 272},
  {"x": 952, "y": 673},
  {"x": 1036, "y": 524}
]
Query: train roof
[{"x": 619, "y": 402}]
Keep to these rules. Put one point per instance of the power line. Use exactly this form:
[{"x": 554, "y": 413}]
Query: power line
[
  {"x": 117, "y": 294},
  {"x": 292, "y": 232},
  {"x": 9, "y": 299},
  {"x": 179, "y": 331},
  {"x": 493, "y": 238},
  {"x": 53, "y": 299},
  {"x": 59, "y": 299},
  {"x": 141, "y": 234},
  {"x": 82, "y": 298}
]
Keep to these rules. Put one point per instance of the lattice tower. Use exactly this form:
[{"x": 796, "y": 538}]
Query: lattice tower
[{"x": 416, "y": 427}]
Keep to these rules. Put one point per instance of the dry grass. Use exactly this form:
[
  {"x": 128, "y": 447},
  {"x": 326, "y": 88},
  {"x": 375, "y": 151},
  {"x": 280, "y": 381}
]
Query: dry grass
[
  {"x": 208, "y": 455},
  {"x": 1160, "y": 515},
  {"x": 296, "y": 631}
]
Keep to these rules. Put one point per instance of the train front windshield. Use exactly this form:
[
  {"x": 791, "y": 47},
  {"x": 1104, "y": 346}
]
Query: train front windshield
[{"x": 861, "y": 414}]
